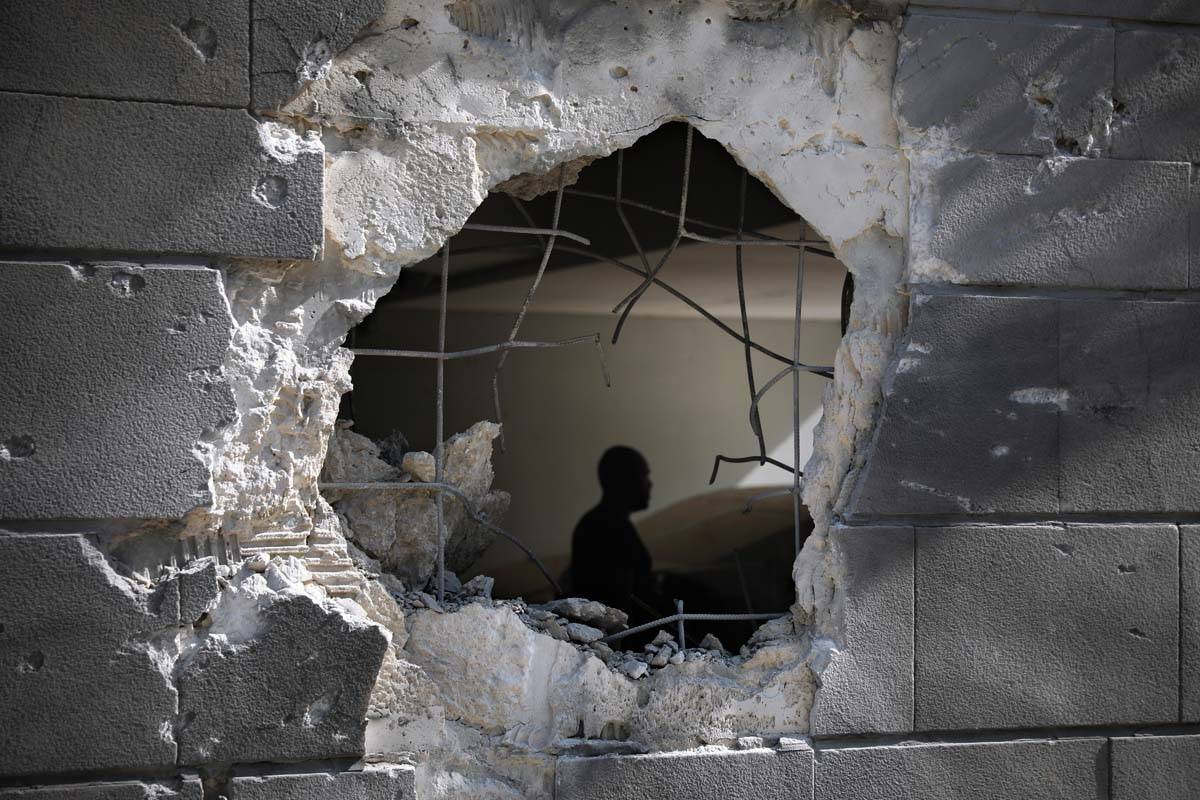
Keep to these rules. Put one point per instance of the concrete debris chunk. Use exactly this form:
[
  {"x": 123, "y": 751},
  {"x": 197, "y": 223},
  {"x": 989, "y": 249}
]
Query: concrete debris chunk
[
  {"x": 711, "y": 642},
  {"x": 584, "y": 634},
  {"x": 589, "y": 612},
  {"x": 281, "y": 675},
  {"x": 479, "y": 586},
  {"x": 420, "y": 465},
  {"x": 663, "y": 637},
  {"x": 399, "y": 528},
  {"x": 635, "y": 669},
  {"x": 555, "y": 629}
]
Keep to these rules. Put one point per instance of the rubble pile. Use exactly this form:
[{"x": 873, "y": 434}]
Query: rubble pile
[{"x": 398, "y": 528}]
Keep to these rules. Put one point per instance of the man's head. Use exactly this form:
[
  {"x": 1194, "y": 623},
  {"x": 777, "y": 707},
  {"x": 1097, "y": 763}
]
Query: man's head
[{"x": 625, "y": 477}]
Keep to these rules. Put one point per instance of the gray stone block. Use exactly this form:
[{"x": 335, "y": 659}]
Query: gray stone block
[
  {"x": 102, "y": 416},
  {"x": 81, "y": 682},
  {"x": 867, "y": 686},
  {"x": 1016, "y": 220},
  {"x": 180, "y": 51},
  {"x": 100, "y": 175},
  {"x": 1030, "y": 626},
  {"x": 1005, "y": 86},
  {"x": 1070, "y": 769},
  {"x": 298, "y": 690},
  {"x": 295, "y": 40},
  {"x": 1157, "y": 96},
  {"x": 372, "y": 784},
  {"x": 965, "y": 428},
  {"x": 197, "y": 589},
  {"x": 1130, "y": 423},
  {"x": 1159, "y": 767},
  {"x": 729, "y": 775},
  {"x": 186, "y": 789},
  {"x": 1189, "y": 624},
  {"x": 1149, "y": 10}
]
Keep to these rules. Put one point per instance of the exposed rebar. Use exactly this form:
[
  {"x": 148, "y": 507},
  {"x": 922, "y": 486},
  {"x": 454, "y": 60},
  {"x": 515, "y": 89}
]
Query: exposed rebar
[{"x": 690, "y": 617}]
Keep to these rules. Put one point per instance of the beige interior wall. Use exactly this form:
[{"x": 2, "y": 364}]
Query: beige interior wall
[{"x": 679, "y": 395}]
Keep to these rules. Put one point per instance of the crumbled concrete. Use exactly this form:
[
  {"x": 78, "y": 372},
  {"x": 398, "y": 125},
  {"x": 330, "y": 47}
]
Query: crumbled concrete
[
  {"x": 281, "y": 673},
  {"x": 587, "y": 611},
  {"x": 399, "y": 528}
]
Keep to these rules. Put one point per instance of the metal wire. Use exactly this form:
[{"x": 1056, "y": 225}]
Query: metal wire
[
  {"x": 630, "y": 301},
  {"x": 438, "y": 453},
  {"x": 547, "y": 241},
  {"x": 744, "y": 460},
  {"x": 473, "y": 226},
  {"x": 690, "y": 617},
  {"x": 552, "y": 236}
]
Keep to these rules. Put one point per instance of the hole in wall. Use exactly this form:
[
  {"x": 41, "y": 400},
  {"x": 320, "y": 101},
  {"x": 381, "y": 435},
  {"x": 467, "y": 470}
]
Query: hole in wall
[{"x": 680, "y": 389}]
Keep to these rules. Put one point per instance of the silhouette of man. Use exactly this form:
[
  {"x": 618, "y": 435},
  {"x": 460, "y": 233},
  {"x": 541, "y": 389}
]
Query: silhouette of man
[{"x": 609, "y": 562}]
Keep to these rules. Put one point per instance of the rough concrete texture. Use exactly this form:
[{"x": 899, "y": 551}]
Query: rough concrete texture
[
  {"x": 295, "y": 42},
  {"x": 1148, "y": 10},
  {"x": 114, "y": 414},
  {"x": 400, "y": 528},
  {"x": 1157, "y": 89},
  {"x": 966, "y": 388},
  {"x": 1129, "y": 429},
  {"x": 1022, "y": 405},
  {"x": 185, "y": 789},
  {"x": 176, "y": 51},
  {"x": 867, "y": 686},
  {"x": 1075, "y": 222},
  {"x": 418, "y": 127},
  {"x": 1189, "y": 623},
  {"x": 281, "y": 674},
  {"x": 1162, "y": 767},
  {"x": 1060, "y": 617},
  {"x": 385, "y": 783},
  {"x": 85, "y": 658},
  {"x": 193, "y": 180},
  {"x": 1068, "y": 769},
  {"x": 719, "y": 775},
  {"x": 1004, "y": 86}
]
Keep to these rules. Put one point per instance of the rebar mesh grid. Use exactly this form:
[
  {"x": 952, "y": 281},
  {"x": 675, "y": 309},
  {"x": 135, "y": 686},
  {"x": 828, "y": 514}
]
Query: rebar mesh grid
[{"x": 547, "y": 242}]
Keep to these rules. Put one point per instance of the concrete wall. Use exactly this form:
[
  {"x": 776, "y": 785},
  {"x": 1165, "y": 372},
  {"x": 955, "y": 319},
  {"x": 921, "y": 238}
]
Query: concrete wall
[
  {"x": 678, "y": 392},
  {"x": 1002, "y": 598}
]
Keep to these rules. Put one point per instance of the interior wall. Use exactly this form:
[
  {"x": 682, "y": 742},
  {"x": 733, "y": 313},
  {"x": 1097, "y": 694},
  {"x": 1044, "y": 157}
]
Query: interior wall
[{"x": 679, "y": 394}]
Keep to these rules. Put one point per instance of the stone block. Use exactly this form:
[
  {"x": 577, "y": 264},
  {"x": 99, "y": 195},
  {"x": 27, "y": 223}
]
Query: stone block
[
  {"x": 1069, "y": 769},
  {"x": 1189, "y": 624},
  {"x": 396, "y": 783},
  {"x": 962, "y": 431},
  {"x": 1161, "y": 767},
  {"x": 112, "y": 379},
  {"x": 295, "y": 41},
  {"x": 197, "y": 589},
  {"x": 131, "y": 177},
  {"x": 1130, "y": 419},
  {"x": 1157, "y": 95},
  {"x": 1017, "y": 220},
  {"x": 1148, "y": 10},
  {"x": 1032, "y": 626},
  {"x": 278, "y": 677},
  {"x": 722, "y": 775},
  {"x": 177, "y": 51},
  {"x": 1005, "y": 86},
  {"x": 867, "y": 685},
  {"x": 82, "y": 687},
  {"x": 186, "y": 789}
]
